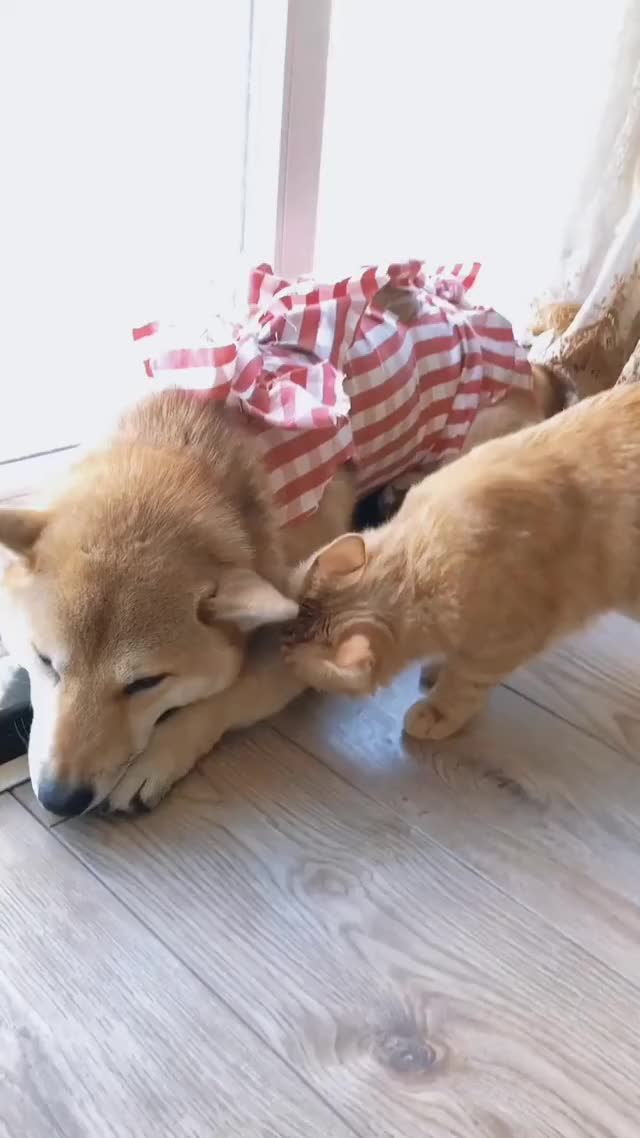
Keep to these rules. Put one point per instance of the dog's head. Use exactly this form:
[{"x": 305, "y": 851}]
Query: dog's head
[{"x": 118, "y": 624}]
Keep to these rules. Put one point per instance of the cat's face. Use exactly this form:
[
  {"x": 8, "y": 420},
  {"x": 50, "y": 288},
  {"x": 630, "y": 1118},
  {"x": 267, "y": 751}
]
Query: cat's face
[{"x": 336, "y": 641}]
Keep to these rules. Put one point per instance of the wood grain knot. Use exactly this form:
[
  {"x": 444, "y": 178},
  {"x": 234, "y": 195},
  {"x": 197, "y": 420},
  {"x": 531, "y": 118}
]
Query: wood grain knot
[
  {"x": 326, "y": 881},
  {"x": 405, "y": 1054},
  {"x": 503, "y": 781}
]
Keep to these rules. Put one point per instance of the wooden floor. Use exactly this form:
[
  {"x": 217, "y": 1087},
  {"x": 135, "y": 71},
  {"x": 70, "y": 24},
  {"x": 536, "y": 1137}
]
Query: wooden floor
[{"x": 327, "y": 932}]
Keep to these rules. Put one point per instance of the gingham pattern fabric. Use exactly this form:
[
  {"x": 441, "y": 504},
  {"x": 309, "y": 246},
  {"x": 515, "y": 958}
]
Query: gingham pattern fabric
[{"x": 324, "y": 376}]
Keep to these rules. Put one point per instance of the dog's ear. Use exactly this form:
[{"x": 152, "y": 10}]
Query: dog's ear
[
  {"x": 20, "y": 529},
  {"x": 247, "y": 600},
  {"x": 343, "y": 561},
  {"x": 339, "y": 563}
]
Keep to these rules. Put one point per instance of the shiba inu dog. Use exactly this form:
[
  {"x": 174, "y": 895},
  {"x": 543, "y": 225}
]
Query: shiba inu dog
[{"x": 133, "y": 598}]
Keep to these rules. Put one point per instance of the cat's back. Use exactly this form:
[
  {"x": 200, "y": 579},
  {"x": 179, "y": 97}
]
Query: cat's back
[
  {"x": 583, "y": 463},
  {"x": 554, "y": 503},
  {"x": 599, "y": 436},
  {"x": 592, "y": 448}
]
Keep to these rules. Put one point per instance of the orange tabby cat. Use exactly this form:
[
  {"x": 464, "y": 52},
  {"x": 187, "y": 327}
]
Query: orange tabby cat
[{"x": 519, "y": 542}]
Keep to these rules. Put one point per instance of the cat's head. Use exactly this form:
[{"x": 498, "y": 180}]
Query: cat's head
[{"x": 338, "y": 640}]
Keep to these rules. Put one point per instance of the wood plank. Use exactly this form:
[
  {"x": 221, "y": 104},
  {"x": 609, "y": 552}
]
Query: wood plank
[
  {"x": 25, "y": 796},
  {"x": 104, "y": 1033},
  {"x": 593, "y": 681},
  {"x": 411, "y": 993},
  {"x": 13, "y": 773},
  {"x": 548, "y": 814}
]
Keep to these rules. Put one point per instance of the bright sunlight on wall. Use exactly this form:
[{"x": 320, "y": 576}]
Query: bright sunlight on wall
[
  {"x": 457, "y": 131},
  {"x": 452, "y": 131},
  {"x": 125, "y": 123}
]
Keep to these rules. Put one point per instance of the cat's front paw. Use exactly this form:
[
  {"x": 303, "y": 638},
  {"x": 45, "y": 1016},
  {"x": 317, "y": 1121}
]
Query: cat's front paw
[{"x": 424, "y": 721}]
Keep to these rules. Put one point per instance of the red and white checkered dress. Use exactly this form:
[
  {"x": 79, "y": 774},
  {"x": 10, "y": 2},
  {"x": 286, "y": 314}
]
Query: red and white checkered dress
[{"x": 324, "y": 376}]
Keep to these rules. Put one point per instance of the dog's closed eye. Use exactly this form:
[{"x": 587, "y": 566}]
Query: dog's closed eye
[
  {"x": 144, "y": 683},
  {"x": 46, "y": 663},
  {"x": 166, "y": 715}
]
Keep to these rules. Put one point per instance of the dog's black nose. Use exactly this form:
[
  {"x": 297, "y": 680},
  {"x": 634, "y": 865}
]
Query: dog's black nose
[{"x": 60, "y": 798}]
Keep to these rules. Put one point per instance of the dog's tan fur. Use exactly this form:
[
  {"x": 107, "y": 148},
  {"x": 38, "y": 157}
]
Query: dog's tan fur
[
  {"x": 161, "y": 555},
  {"x": 523, "y": 540}
]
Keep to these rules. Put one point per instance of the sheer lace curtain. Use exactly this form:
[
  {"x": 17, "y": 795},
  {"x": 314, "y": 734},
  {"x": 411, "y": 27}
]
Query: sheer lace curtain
[{"x": 586, "y": 323}]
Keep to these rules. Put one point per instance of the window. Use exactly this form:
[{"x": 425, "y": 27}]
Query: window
[
  {"x": 126, "y": 123},
  {"x": 156, "y": 147},
  {"x": 457, "y": 132}
]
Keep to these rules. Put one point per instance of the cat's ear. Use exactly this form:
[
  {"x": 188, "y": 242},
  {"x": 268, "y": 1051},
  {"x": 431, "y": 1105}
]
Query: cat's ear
[{"x": 342, "y": 562}]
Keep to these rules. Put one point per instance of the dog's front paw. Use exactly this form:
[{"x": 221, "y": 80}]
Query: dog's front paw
[
  {"x": 424, "y": 721},
  {"x": 138, "y": 792}
]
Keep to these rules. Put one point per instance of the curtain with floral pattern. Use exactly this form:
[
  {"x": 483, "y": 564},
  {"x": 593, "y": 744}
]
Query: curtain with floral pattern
[{"x": 586, "y": 327}]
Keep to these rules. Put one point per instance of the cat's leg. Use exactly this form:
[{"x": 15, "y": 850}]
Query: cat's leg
[{"x": 454, "y": 699}]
